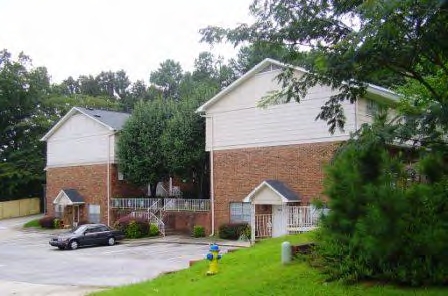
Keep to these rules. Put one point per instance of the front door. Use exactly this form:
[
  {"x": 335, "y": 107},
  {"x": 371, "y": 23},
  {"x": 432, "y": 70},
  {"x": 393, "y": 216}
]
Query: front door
[{"x": 279, "y": 216}]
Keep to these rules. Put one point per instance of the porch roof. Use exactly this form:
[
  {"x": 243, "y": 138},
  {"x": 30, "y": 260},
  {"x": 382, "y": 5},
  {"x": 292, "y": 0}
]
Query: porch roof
[
  {"x": 272, "y": 192},
  {"x": 69, "y": 197}
]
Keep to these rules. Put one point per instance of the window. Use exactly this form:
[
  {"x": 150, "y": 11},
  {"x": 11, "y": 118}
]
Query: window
[
  {"x": 59, "y": 211},
  {"x": 371, "y": 108},
  {"x": 94, "y": 213},
  {"x": 240, "y": 212}
]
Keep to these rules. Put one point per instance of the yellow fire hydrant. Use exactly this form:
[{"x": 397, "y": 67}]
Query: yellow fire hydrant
[{"x": 213, "y": 256}]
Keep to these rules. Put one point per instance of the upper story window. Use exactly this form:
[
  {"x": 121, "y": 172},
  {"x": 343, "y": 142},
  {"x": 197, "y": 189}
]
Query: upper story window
[{"x": 371, "y": 107}]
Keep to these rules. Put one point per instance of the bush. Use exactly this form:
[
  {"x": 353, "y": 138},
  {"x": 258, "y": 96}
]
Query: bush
[
  {"x": 58, "y": 223},
  {"x": 153, "y": 230},
  {"x": 233, "y": 230},
  {"x": 198, "y": 231},
  {"x": 133, "y": 227},
  {"x": 383, "y": 225},
  {"x": 47, "y": 222}
]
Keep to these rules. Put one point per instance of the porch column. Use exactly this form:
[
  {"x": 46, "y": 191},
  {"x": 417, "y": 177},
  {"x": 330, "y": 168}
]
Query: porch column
[{"x": 252, "y": 223}]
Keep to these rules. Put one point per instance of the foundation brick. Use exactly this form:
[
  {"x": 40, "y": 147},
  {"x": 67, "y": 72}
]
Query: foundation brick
[{"x": 237, "y": 172}]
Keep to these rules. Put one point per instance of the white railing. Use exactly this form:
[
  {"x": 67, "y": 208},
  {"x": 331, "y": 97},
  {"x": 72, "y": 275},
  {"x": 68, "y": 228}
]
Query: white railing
[
  {"x": 167, "y": 204},
  {"x": 133, "y": 203},
  {"x": 153, "y": 219},
  {"x": 188, "y": 205},
  {"x": 302, "y": 218},
  {"x": 263, "y": 225}
]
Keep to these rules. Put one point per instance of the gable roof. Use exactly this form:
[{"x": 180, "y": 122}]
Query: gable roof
[
  {"x": 371, "y": 88},
  {"x": 68, "y": 197},
  {"x": 278, "y": 187},
  {"x": 111, "y": 120}
]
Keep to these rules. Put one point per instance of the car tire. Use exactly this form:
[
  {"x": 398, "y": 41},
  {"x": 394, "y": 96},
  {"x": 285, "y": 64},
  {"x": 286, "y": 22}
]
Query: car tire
[
  {"x": 111, "y": 241},
  {"x": 61, "y": 248},
  {"x": 73, "y": 245}
]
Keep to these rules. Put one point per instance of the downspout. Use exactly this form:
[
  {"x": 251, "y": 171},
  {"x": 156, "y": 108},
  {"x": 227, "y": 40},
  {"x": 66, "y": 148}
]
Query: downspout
[
  {"x": 212, "y": 190},
  {"x": 212, "y": 174},
  {"x": 108, "y": 178}
]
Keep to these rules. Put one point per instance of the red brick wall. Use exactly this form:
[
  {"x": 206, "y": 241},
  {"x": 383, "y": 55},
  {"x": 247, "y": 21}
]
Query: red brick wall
[
  {"x": 185, "y": 221},
  {"x": 91, "y": 183},
  {"x": 237, "y": 172}
]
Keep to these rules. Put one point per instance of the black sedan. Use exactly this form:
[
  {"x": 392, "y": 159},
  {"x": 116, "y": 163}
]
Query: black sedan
[{"x": 87, "y": 235}]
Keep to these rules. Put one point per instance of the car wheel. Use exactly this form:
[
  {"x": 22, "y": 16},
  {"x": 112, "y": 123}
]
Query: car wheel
[
  {"x": 61, "y": 248},
  {"x": 74, "y": 245},
  {"x": 111, "y": 241}
]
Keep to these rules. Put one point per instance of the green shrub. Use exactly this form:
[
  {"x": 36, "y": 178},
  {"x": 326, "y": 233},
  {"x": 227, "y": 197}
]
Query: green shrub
[
  {"x": 233, "y": 230},
  {"x": 47, "y": 222},
  {"x": 133, "y": 227},
  {"x": 57, "y": 223},
  {"x": 383, "y": 225},
  {"x": 153, "y": 230},
  {"x": 198, "y": 231}
]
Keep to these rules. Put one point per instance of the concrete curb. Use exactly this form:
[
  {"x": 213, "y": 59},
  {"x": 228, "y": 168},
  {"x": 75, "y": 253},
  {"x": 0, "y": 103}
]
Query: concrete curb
[{"x": 184, "y": 241}]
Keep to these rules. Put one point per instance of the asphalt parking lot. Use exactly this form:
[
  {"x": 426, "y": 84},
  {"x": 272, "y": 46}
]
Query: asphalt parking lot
[{"x": 30, "y": 266}]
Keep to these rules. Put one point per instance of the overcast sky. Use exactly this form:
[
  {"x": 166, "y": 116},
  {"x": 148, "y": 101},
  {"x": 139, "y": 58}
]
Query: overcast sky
[{"x": 75, "y": 37}]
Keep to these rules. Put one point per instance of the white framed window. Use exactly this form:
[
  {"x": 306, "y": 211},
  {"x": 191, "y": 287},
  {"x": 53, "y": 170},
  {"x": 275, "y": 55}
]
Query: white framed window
[
  {"x": 94, "y": 213},
  {"x": 240, "y": 212},
  {"x": 59, "y": 211},
  {"x": 371, "y": 107}
]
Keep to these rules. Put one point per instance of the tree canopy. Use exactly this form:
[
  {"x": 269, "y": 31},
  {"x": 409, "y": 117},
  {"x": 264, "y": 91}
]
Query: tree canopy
[{"x": 349, "y": 44}]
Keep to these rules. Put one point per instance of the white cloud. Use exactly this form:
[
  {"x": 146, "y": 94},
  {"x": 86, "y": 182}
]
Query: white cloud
[{"x": 73, "y": 37}]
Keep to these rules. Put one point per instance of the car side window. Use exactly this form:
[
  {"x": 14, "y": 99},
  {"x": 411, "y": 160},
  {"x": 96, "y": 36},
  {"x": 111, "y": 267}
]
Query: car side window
[{"x": 103, "y": 228}]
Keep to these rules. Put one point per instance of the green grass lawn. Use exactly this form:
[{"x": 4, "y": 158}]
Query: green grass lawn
[
  {"x": 32, "y": 223},
  {"x": 258, "y": 271}
]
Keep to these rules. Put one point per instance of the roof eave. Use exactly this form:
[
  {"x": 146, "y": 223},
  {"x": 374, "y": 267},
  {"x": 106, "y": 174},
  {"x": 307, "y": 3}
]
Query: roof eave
[
  {"x": 59, "y": 123},
  {"x": 203, "y": 108}
]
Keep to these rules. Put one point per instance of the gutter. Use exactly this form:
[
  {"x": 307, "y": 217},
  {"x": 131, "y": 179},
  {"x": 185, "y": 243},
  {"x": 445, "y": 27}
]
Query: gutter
[
  {"x": 108, "y": 178},
  {"x": 212, "y": 189}
]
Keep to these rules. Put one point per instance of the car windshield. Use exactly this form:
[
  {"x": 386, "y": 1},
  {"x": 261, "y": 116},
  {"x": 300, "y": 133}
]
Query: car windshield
[{"x": 80, "y": 229}]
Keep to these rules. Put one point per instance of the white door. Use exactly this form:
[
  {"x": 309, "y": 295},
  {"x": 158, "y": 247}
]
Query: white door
[{"x": 279, "y": 217}]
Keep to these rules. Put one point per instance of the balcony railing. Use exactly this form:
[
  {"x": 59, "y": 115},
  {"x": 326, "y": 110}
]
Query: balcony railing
[{"x": 166, "y": 204}]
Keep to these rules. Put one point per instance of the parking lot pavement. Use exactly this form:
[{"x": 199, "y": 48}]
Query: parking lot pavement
[{"x": 27, "y": 262}]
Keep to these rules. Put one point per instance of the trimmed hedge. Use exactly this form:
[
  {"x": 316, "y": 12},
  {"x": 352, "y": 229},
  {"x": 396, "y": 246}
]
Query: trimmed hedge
[{"x": 234, "y": 230}]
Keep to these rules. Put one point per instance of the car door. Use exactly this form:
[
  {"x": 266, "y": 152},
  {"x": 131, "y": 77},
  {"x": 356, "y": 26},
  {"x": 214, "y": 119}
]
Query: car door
[
  {"x": 91, "y": 236},
  {"x": 103, "y": 234}
]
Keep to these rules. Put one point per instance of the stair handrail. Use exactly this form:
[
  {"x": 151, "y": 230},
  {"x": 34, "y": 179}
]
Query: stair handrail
[{"x": 160, "y": 224}]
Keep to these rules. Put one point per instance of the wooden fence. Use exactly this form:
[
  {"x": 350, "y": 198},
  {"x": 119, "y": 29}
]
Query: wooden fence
[{"x": 19, "y": 208}]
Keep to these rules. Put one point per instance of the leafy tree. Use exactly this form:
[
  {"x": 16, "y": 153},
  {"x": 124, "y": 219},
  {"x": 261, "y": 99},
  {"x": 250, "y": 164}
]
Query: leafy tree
[
  {"x": 183, "y": 144},
  {"x": 140, "y": 153},
  {"x": 168, "y": 77},
  {"x": 250, "y": 55},
  {"x": 89, "y": 86},
  {"x": 21, "y": 89},
  {"x": 350, "y": 43}
]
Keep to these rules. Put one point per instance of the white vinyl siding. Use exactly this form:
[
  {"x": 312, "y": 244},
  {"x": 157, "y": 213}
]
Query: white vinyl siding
[
  {"x": 235, "y": 121},
  {"x": 80, "y": 140}
]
